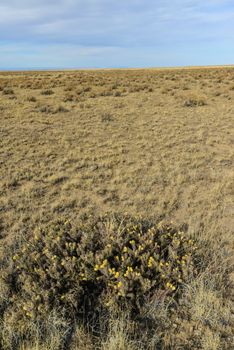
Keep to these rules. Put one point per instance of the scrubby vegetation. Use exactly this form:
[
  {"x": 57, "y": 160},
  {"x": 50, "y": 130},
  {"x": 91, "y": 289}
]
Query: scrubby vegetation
[
  {"x": 107, "y": 264},
  {"x": 154, "y": 143},
  {"x": 194, "y": 102}
]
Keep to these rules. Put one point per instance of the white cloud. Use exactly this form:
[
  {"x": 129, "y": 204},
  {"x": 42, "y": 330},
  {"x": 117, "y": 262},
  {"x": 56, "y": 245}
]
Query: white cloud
[{"x": 131, "y": 27}]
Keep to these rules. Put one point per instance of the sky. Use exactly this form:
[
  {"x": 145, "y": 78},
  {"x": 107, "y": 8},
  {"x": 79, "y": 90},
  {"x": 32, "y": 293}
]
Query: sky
[{"x": 121, "y": 33}]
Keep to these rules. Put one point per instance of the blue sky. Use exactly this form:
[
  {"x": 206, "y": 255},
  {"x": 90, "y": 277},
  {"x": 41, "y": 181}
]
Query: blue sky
[{"x": 121, "y": 33}]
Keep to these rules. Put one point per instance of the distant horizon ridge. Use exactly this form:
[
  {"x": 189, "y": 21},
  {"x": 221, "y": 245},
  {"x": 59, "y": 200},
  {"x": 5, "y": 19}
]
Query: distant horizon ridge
[{"x": 112, "y": 68}]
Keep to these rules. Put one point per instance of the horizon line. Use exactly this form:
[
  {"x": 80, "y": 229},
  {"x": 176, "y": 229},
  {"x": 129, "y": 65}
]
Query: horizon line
[{"x": 59, "y": 69}]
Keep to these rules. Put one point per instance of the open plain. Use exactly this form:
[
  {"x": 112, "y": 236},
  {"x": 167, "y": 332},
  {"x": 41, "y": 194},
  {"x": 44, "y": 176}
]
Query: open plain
[{"x": 156, "y": 143}]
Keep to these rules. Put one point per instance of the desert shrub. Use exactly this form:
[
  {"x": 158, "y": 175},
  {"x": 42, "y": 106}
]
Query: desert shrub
[
  {"x": 165, "y": 90},
  {"x": 117, "y": 94},
  {"x": 8, "y": 91},
  {"x": 31, "y": 99},
  {"x": 114, "y": 86},
  {"x": 87, "y": 88},
  {"x": 80, "y": 92},
  {"x": 216, "y": 93},
  {"x": 194, "y": 102},
  {"x": 106, "y": 117},
  {"x": 44, "y": 109},
  {"x": 47, "y": 92},
  {"x": 69, "y": 98},
  {"x": 60, "y": 109},
  {"x": 69, "y": 88},
  {"x": 12, "y": 97},
  {"x": 135, "y": 88},
  {"x": 106, "y": 93},
  {"x": 102, "y": 263},
  {"x": 92, "y": 95}
]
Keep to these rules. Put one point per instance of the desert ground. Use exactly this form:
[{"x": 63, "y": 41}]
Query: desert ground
[{"x": 148, "y": 142}]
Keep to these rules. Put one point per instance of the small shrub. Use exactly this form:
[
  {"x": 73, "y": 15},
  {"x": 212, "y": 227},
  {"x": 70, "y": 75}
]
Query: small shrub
[
  {"x": 117, "y": 94},
  {"x": 165, "y": 90},
  {"x": 106, "y": 92},
  {"x": 12, "y": 97},
  {"x": 45, "y": 109},
  {"x": 13, "y": 183},
  {"x": 69, "y": 88},
  {"x": 69, "y": 98},
  {"x": 8, "y": 91},
  {"x": 193, "y": 102},
  {"x": 106, "y": 117},
  {"x": 87, "y": 89},
  {"x": 31, "y": 99},
  {"x": 47, "y": 92},
  {"x": 114, "y": 86},
  {"x": 60, "y": 109},
  {"x": 92, "y": 95}
]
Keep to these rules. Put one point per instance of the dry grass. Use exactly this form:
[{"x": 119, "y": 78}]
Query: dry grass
[{"x": 149, "y": 142}]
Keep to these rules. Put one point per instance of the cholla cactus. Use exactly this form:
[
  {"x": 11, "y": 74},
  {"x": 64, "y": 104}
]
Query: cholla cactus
[
  {"x": 52, "y": 269},
  {"x": 115, "y": 262},
  {"x": 141, "y": 258}
]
